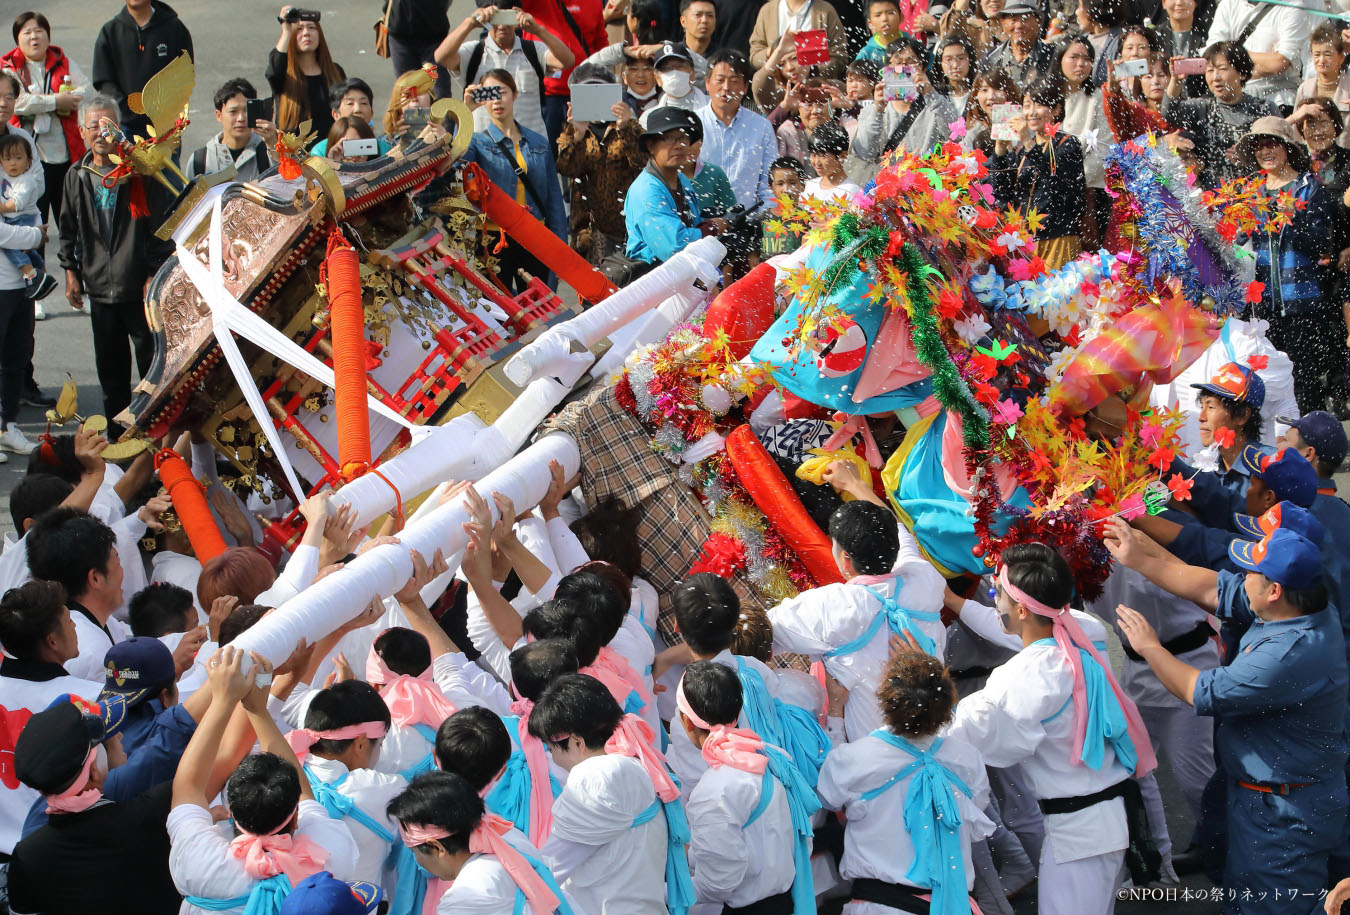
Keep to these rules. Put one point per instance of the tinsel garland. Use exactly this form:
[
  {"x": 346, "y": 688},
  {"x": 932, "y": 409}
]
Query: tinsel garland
[{"x": 948, "y": 387}]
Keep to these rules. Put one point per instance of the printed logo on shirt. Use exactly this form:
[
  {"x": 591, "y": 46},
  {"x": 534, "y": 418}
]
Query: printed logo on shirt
[{"x": 162, "y": 49}]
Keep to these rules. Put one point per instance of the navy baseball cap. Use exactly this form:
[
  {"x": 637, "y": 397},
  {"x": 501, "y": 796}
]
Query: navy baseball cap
[
  {"x": 1322, "y": 431},
  {"x": 138, "y": 669},
  {"x": 1236, "y": 382},
  {"x": 1286, "y": 472},
  {"x": 1281, "y": 556},
  {"x": 324, "y": 894},
  {"x": 52, "y": 746},
  {"x": 1285, "y": 515}
]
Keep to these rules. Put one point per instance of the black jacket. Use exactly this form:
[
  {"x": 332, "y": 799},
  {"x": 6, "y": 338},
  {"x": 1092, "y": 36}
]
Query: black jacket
[
  {"x": 126, "y": 55},
  {"x": 112, "y": 270},
  {"x": 418, "y": 21}
]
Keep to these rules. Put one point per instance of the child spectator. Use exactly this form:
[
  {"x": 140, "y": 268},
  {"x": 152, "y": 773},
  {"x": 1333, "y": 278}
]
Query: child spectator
[
  {"x": 883, "y": 21},
  {"x": 19, "y": 193},
  {"x": 829, "y": 147}
]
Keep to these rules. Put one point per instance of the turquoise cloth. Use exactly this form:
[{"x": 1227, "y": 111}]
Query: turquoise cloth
[
  {"x": 933, "y": 822},
  {"x": 1105, "y": 718},
  {"x": 680, "y": 896},
  {"x": 782, "y": 724},
  {"x": 510, "y": 797},
  {"x": 900, "y": 621},
  {"x": 802, "y": 803},
  {"x": 264, "y": 899}
]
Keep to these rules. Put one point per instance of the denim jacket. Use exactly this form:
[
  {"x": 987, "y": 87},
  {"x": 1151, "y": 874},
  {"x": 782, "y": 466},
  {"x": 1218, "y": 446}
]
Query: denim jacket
[{"x": 492, "y": 150}]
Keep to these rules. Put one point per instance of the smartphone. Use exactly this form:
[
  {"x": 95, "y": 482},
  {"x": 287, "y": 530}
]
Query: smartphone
[
  {"x": 1136, "y": 67},
  {"x": 360, "y": 146},
  {"x": 1189, "y": 66},
  {"x": 416, "y": 118},
  {"x": 504, "y": 17},
  {"x": 486, "y": 93},
  {"x": 258, "y": 109}
]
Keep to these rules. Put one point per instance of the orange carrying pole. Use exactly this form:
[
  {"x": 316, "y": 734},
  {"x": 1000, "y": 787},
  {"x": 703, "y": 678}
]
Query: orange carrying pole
[
  {"x": 347, "y": 332},
  {"x": 552, "y": 251},
  {"x": 189, "y": 503}
]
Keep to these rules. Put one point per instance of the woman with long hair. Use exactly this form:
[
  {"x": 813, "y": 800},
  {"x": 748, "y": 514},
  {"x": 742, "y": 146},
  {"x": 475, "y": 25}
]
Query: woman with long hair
[
  {"x": 955, "y": 67},
  {"x": 411, "y": 90},
  {"x": 1085, "y": 119},
  {"x": 301, "y": 72},
  {"x": 989, "y": 88}
]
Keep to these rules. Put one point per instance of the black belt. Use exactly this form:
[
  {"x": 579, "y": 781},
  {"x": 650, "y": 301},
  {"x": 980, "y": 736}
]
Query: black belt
[
  {"x": 895, "y": 895},
  {"x": 1187, "y": 641},
  {"x": 970, "y": 673},
  {"x": 1141, "y": 856},
  {"x": 773, "y": 905}
]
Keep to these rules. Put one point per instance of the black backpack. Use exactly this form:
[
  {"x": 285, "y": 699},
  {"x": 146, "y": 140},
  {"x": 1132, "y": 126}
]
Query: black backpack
[{"x": 526, "y": 48}]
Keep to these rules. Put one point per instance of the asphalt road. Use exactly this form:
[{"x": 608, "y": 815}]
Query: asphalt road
[{"x": 232, "y": 39}]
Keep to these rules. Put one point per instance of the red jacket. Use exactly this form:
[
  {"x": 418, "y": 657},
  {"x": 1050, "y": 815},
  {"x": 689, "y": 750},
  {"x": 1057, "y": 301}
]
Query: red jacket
[
  {"x": 589, "y": 18},
  {"x": 55, "y": 68}
]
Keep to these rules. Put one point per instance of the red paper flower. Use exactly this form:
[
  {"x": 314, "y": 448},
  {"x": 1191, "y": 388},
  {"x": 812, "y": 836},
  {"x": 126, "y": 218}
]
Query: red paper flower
[
  {"x": 1180, "y": 486},
  {"x": 1162, "y": 458},
  {"x": 1258, "y": 361},
  {"x": 1254, "y": 291},
  {"x": 1223, "y": 437}
]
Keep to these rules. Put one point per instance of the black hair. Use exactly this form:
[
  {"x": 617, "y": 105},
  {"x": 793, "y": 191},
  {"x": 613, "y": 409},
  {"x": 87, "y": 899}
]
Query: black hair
[
  {"x": 14, "y": 82},
  {"x": 336, "y": 93},
  {"x": 733, "y": 59},
  {"x": 56, "y": 455},
  {"x": 706, "y": 612},
  {"x": 1057, "y": 68},
  {"x": 159, "y": 609},
  {"x": 597, "y": 599},
  {"x": 240, "y": 619},
  {"x": 916, "y": 694},
  {"x": 342, "y": 705},
  {"x": 713, "y": 691},
  {"x": 1251, "y": 424},
  {"x": 867, "y": 532},
  {"x": 1311, "y": 599},
  {"x": 788, "y": 162},
  {"x": 866, "y": 69},
  {"x": 28, "y": 16},
  {"x": 474, "y": 743},
  {"x": 648, "y": 15},
  {"x": 1040, "y": 572},
  {"x": 608, "y": 532},
  {"x": 441, "y": 799},
  {"x": 66, "y": 544},
  {"x": 872, "y": 3},
  {"x": 684, "y": 5},
  {"x": 1149, "y": 36},
  {"x": 28, "y": 614},
  {"x": 1048, "y": 92},
  {"x": 829, "y": 139},
  {"x": 959, "y": 41},
  {"x": 236, "y": 86},
  {"x": 262, "y": 793},
  {"x": 1235, "y": 54},
  {"x": 14, "y": 141},
  {"x": 1109, "y": 13},
  {"x": 535, "y": 665},
  {"x": 575, "y": 705},
  {"x": 403, "y": 651},
  {"x": 560, "y": 618},
  {"x": 35, "y": 494}
]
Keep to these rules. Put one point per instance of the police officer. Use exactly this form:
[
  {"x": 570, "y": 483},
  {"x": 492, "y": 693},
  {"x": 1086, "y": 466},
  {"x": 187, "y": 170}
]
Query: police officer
[{"x": 1280, "y": 707}]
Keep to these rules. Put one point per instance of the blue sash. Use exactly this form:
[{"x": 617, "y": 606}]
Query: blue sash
[
  {"x": 933, "y": 821},
  {"x": 264, "y": 899},
  {"x": 540, "y": 868},
  {"x": 411, "y": 880},
  {"x": 510, "y": 797},
  {"x": 428, "y": 763},
  {"x": 1105, "y": 718},
  {"x": 802, "y": 803},
  {"x": 782, "y": 724},
  {"x": 680, "y": 896},
  {"x": 900, "y": 621}
]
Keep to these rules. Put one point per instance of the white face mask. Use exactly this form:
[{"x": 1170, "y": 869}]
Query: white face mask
[
  {"x": 675, "y": 82},
  {"x": 642, "y": 95}
]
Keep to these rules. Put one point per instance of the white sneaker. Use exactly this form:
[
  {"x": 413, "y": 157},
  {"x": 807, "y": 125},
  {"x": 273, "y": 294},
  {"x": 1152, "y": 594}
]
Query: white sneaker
[
  {"x": 39, "y": 313},
  {"x": 13, "y": 439},
  {"x": 4, "y": 458}
]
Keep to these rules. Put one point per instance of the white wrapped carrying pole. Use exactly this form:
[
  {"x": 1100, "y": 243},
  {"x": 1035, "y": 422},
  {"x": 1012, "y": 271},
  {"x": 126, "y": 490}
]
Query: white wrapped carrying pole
[
  {"x": 696, "y": 263},
  {"x": 379, "y": 572},
  {"x": 648, "y": 330}
]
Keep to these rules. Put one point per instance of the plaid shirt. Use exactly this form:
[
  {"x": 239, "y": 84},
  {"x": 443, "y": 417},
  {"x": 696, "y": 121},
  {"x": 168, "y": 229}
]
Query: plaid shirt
[{"x": 617, "y": 460}]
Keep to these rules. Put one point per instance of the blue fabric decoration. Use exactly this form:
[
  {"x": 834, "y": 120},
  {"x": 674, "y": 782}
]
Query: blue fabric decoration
[
  {"x": 782, "y": 724},
  {"x": 933, "y": 822},
  {"x": 1106, "y": 719},
  {"x": 802, "y": 803},
  {"x": 899, "y": 619},
  {"x": 680, "y": 896},
  {"x": 264, "y": 899},
  {"x": 634, "y": 705}
]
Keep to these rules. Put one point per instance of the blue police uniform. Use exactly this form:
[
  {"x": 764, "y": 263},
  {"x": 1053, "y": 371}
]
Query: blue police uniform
[
  {"x": 1334, "y": 515},
  {"x": 1280, "y": 736}
]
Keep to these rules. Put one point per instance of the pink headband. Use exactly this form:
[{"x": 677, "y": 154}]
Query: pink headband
[
  {"x": 1069, "y": 636},
  {"x": 415, "y": 834},
  {"x": 302, "y": 739},
  {"x": 75, "y": 799},
  {"x": 488, "y": 838},
  {"x": 725, "y": 746}
]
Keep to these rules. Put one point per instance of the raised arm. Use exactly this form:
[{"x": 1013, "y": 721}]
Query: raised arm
[
  {"x": 1134, "y": 550},
  {"x": 227, "y": 683}
]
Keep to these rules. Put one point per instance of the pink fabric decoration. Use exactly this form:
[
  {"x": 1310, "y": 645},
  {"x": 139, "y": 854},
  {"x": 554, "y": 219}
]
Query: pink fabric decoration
[
  {"x": 377, "y": 672},
  {"x": 301, "y": 739},
  {"x": 536, "y": 760},
  {"x": 633, "y": 737},
  {"x": 891, "y": 362},
  {"x": 1069, "y": 636},
  {"x": 725, "y": 745},
  {"x": 850, "y": 426},
  {"x": 615, "y": 682},
  {"x": 76, "y": 799},
  {"x": 413, "y": 835},
  {"x": 272, "y": 854},
  {"x": 611, "y": 660},
  {"x": 488, "y": 838}
]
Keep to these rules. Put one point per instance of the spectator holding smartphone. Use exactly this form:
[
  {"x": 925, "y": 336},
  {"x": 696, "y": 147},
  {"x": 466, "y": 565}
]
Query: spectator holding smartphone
[
  {"x": 344, "y": 129},
  {"x": 989, "y": 88},
  {"x": 1329, "y": 79},
  {"x": 779, "y": 21},
  {"x": 918, "y": 122},
  {"x": 301, "y": 72},
  {"x": 1223, "y": 118},
  {"x": 240, "y": 143},
  {"x": 405, "y": 96},
  {"x": 353, "y": 97},
  {"x": 520, "y": 162},
  {"x": 601, "y": 159}
]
